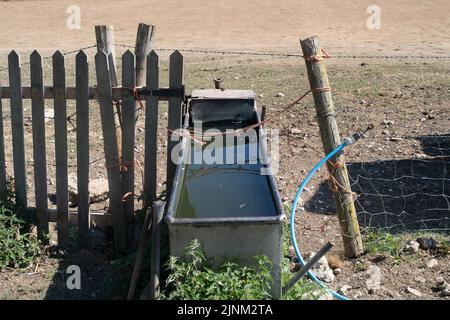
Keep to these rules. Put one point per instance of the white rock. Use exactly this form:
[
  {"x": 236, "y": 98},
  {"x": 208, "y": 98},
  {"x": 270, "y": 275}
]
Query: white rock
[
  {"x": 325, "y": 296},
  {"x": 431, "y": 263},
  {"x": 321, "y": 269},
  {"x": 357, "y": 294},
  {"x": 413, "y": 291},
  {"x": 98, "y": 189},
  {"x": 344, "y": 289},
  {"x": 446, "y": 290},
  {"x": 412, "y": 246},
  {"x": 317, "y": 295},
  {"x": 279, "y": 95},
  {"x": 374, "y": 281},
  {"x": 296, "y": 131}
]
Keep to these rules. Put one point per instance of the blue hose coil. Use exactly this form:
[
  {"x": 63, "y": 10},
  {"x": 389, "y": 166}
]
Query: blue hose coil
[{"x": 292, "y": 219}]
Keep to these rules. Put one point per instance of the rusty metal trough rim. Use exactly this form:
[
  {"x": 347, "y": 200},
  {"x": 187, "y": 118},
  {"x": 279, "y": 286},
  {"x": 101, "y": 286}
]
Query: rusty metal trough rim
[{"x": 170, "y": 219}]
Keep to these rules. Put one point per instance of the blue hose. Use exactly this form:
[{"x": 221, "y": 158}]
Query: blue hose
[{"x": 292, "y": 219}]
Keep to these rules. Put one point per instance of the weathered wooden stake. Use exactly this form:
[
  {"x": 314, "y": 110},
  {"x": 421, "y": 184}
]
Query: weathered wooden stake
[
  {"x": 140, "y": 252},
  {"x": 128, "y": 144},
  {"x": 144, "y": 39},
  {"x": 111, "y": 147},
  {"x": 329, "y": 131},
  {"x": 158, "y": 211},
  {"x": 105, "y": 43}
]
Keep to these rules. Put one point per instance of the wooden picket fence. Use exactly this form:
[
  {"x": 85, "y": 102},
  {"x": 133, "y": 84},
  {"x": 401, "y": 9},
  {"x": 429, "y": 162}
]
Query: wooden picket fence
[{"x": 118, "y": 151}]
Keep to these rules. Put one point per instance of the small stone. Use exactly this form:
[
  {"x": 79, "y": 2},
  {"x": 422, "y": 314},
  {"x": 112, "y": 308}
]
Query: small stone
[
  {"x": 420, "y": 155},
  {"x": 321, "y": 269},
  {"x": 261, "y": 96},
  {"x": 446, "y": 291},
  {"x": 420, "y": 279},
  {"x": 279, "y": 95},
  {"x": 412, "y": 246},
  {"x": 296, "y": 131},
  {"x": 440, "y": 280},
  {"x": 98, "y": 189},
  {"x": 344, "y": 289},
  {"x": 357, "y": 294},
  {"x": 362, "y": 102},
  {"x": 413, "y": 291},
  {"x": 373, "y": 283},
  {"x": 431, "y": 263},
  {"x": 388, "y": 122},
  {"x": 337, "y": 271},
  {"x": 427, "y": 243},
  {"x": 396, "y": 139}
]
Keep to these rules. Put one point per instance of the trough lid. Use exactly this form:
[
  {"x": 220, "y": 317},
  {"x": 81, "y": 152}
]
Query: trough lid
[{"x": 225, "y": 94}]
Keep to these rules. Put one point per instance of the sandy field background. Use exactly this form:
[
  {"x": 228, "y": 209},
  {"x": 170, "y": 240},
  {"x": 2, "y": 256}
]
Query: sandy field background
[{"x": 407, "y": 26}]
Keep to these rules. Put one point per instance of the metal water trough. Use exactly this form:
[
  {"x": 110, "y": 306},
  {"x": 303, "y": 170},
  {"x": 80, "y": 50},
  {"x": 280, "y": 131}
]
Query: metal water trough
[{"x": 234, "y": 212}]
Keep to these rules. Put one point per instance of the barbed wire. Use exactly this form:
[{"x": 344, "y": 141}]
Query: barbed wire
[
  {"x": 63, "y": 53},
  {"x": 254, "y": 53}
]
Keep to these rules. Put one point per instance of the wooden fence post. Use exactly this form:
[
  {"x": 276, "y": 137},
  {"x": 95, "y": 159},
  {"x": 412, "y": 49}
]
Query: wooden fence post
[
  {"x": 144, "y": 38},
  {"x": 158, "y": 211},
  {"x": 111, "y": 150},
  {"x": 82, "y": 109},
  {"x": 2, "y": 154},
  {"x": 39, "y": 155},
  {"x": 61, "y": 156},
  {"x": 151, "y": 130},
  {"x": 105, "y": 43},
  {"x": 175, "y": 113},
  {"x": 128, "y": 142},
  {"x": 329, "y": 131},
  {"x": 20, "y": 173}
]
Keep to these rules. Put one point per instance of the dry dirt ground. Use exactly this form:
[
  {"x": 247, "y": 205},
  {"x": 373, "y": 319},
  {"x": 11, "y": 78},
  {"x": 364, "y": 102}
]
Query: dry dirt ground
[{"x": 398, "y": 177}]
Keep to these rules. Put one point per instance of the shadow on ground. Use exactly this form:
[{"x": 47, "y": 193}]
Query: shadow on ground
[{"x": 399, "y": 195}]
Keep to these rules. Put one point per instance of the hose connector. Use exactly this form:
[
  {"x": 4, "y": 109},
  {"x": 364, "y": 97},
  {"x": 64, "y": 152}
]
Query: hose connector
[{"x": 357, "y": 136}]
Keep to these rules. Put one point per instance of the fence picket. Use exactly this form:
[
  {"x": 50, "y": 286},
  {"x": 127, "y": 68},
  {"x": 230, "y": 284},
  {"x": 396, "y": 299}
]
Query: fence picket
[
  {"x": 175, "y": 111},
  {"x": 62, "y": 196},
  {"x": 39, "y": 154},
  {"x": 111, "y": 150},
  {"x": 128, "y": 140},
  {"x": 20, "y": 179},
  {"x": 82, "y": 109},
  {"x": 151, "y": 130},
  {"x": 2, "y": 154}
]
